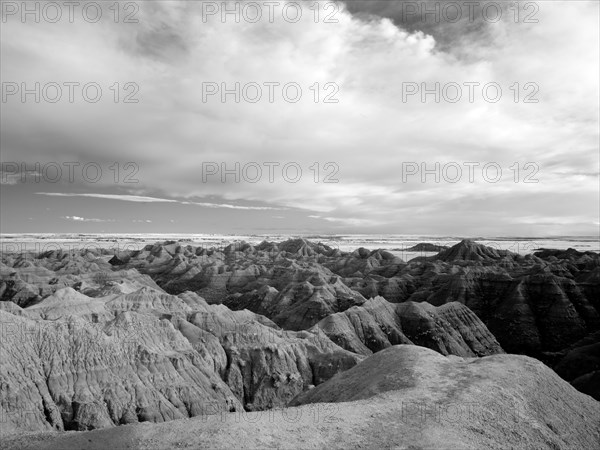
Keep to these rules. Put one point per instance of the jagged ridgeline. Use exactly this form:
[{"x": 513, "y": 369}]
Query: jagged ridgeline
[{"x": 99, "y": 338}]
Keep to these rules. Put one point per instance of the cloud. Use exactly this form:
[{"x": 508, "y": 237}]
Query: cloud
[
  {"x": 352, "y": 221},
  {"x": 144, "y": 199},
  {"x": 578, "y": 174},
  {"x": 83, "y": 219},
  {"x": 448, "y": 21},
  {"x": 369, "y": 54},
  {"x": 124, "y": 198},
  {"x": 224, "y": 205}
]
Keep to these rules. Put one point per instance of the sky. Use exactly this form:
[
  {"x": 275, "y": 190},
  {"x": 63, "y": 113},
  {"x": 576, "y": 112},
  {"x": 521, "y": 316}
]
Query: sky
[{"x": 395, "y": 117}]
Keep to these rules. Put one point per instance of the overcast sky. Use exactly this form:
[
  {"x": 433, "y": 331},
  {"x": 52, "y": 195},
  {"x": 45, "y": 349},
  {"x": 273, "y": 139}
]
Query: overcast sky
[{"x": 361, "y": 154}]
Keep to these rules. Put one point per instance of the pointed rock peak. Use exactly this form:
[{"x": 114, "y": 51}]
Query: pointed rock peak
[
  {"x": 426, "y": 247},
  {"x": 299, "y": 246},
  {"x": 468, "y": 250},
  {"x": 146, "y": 291},
  {"x": 238, "y": 246},
  {"x": 361, "y": 252},
  {"x": 67, "y": 292},
  {"x": 266, "y": 246}
]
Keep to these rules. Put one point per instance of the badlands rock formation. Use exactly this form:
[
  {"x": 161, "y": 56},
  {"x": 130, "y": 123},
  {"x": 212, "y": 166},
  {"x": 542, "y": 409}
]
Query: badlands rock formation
[
  {"x": 27, "y": 278},
  {"x": 426, "y": 247},
  {"x": 580, "y": 364},
  {"x": 537, "y": 304},
  {"x": 402, "y": 397},
  {"x": 99, "y": 338},
  {"x": 74, "y": 374},
  {"x": 377, "y": 324},
  {"x": 103, "y": 345},
  {"x": 78, "y": 362}
]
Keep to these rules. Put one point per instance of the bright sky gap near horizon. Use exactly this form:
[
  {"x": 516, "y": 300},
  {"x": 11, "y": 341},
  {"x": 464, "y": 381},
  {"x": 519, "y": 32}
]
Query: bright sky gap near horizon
[{"x": 361, "y": 158}]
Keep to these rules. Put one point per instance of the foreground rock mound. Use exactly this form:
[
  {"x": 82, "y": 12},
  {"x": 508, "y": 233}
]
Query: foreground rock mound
[
  {"x": 402, "y": 397},
  {"x": 76, "y": 375},
  {"x": 73, "y": 362}
]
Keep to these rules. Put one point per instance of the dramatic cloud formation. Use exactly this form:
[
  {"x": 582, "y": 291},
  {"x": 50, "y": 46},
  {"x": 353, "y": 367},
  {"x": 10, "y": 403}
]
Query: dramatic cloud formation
[{"x": 366, "y": 163}]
